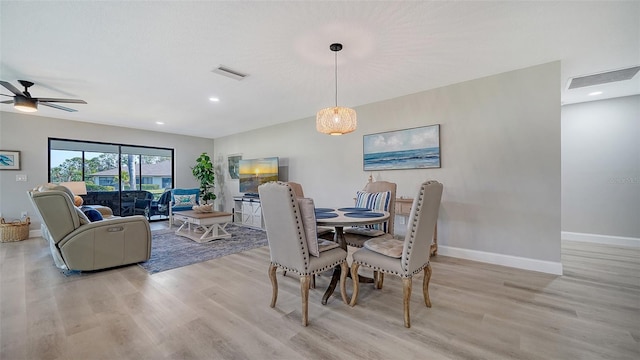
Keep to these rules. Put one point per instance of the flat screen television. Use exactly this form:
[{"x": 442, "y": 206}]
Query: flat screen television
[{"x": 255, "y": 172}]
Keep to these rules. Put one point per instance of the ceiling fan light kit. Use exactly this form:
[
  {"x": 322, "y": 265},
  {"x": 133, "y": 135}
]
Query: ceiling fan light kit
[
  {"x": 337, "y": 120},
  {"x": 23, "y": 101},
  {"x": 23, "y": 104}
]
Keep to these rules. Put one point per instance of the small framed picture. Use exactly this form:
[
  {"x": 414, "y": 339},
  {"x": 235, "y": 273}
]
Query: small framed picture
[
  {"x": 9, "y": 160},
  {"x": 234, "y": 167}
]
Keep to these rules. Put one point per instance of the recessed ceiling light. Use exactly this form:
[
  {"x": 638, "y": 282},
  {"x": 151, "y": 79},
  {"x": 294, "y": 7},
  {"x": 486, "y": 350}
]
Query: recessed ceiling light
[
  {"x": 595, "y": 93},
  {"x": 214, "y": 99},
  {"x": 159, "y": 123}
]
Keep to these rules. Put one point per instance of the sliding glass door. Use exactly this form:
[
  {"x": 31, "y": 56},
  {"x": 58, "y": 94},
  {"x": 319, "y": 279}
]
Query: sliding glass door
[{"x": 127, "y": 178}]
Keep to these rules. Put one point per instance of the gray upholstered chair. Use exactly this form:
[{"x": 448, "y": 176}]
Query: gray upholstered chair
[
  {"x": 290, "y": 225},
  {"x": 78, "y": 244},
  {"x": 352, "y": 236},
  {"x": 407, "y": 257}
]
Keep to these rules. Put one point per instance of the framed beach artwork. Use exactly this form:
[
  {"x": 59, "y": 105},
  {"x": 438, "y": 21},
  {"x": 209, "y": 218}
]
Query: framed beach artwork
[
  {"x": 415, "y": 148},
  {"x": 9, "y": 160}
]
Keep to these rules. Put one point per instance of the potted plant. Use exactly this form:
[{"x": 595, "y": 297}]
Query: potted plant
[{"x": 204, "y": 172}]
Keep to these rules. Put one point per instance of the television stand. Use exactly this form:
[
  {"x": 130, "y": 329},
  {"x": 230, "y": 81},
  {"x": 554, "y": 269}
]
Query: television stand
[{"x": 247, "y": 211}]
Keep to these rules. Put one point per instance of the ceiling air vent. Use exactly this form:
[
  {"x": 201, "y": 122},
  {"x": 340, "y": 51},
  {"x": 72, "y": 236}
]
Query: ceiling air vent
[
  {"x": 603, "y": 78},
  {"x": 230, "y": 73}
]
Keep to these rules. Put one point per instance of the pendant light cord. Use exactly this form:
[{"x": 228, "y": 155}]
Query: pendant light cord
[{"x": 336, "y": 62}]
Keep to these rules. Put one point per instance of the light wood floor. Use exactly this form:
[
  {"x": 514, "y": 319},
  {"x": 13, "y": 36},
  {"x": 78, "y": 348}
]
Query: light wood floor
[{"x": 220, "y": 310}]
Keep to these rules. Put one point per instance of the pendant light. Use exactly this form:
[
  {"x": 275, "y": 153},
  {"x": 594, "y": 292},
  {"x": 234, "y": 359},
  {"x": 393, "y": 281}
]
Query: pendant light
[{"x": 336, "y": 120}]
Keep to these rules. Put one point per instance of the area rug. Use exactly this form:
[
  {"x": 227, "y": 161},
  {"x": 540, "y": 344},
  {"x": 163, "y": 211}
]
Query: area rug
[{"x": 170, "y": 251}]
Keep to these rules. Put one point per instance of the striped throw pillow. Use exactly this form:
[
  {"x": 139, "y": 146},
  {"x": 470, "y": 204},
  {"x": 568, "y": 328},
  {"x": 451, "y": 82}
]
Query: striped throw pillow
[{"x": 375, "y": 201}]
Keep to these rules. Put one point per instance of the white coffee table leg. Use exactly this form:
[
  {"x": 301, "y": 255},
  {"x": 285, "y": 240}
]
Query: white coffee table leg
[{"x": 181, "y": 226}]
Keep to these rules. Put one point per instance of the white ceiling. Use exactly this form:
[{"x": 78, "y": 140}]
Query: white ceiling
[{"x": 136, "y": 63}]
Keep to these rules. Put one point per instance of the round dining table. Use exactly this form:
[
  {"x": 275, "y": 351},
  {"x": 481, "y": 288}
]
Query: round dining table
[{"x": 338, "y": 218}]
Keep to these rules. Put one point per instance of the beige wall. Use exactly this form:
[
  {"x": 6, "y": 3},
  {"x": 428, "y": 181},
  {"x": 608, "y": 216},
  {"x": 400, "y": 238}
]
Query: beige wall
[
  {"x": 29, "y": 134},
  {"x": 500, "y": 145}
]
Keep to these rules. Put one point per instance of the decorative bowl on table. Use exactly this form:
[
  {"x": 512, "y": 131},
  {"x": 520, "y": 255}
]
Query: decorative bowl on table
[{"x": 206, "y": 208}]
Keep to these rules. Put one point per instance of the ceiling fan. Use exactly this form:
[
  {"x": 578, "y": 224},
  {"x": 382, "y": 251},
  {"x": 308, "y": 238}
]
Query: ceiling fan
[{"x": 23, "y": 101}]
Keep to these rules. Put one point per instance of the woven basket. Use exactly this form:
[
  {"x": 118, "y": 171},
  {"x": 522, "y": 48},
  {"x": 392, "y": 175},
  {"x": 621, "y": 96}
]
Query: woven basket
[{"x": 14, "y": 231}]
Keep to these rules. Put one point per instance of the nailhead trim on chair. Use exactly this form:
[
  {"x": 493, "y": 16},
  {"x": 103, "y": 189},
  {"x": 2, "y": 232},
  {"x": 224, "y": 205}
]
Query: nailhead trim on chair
[
  {"x": 375, "y": 268},
  {"x": 322, "y": 269},
  {"x": 294, "y": 201},
  {"x": 414, "y": 225}
]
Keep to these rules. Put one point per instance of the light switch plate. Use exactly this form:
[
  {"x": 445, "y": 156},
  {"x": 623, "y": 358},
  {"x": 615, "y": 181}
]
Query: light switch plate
[{"x": 21, "y": 177}]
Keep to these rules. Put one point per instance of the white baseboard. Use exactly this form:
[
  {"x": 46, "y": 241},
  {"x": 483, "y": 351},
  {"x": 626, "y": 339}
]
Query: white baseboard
[
  {"x": 548, "y": 267},
  {"x": 601, "y": 239},
  {"x": 35, "y": 233}
]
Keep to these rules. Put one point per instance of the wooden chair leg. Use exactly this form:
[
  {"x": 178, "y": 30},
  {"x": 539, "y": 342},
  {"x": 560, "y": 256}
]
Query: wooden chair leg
[
  {"x": 406, "y": 293},
  {"x": 378, "y": 279},
  {"x": 274, "y": 284},
  {"x": 354, "y": 276},
  {"x": 425, "y": 285},
  {"x": 343, "y": 281},
  {"x": 312, "y": 284},
  {"x": 304, "y": 293}
]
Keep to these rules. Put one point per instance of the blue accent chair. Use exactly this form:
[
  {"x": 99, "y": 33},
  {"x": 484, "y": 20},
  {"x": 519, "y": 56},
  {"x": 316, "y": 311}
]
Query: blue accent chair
[{"x": 177, "y": 206}]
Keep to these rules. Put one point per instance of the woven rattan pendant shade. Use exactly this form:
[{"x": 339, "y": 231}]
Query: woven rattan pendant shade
[{"x": 336, "y": 120}]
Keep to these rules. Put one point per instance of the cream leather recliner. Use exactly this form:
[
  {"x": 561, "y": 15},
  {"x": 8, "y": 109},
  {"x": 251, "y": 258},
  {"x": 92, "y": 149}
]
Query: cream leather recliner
[{"x": 77, "y": 244}]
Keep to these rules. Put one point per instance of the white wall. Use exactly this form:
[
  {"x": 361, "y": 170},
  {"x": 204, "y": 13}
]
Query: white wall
[
  {"x": 29, "y": 134},
  {"x": 500, "y": 146},
  {"x": 601, "y": 171}
]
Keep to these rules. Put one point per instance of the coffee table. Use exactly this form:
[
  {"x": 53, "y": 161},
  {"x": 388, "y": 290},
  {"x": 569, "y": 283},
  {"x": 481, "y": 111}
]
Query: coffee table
[{"x": 212, "y": 225}]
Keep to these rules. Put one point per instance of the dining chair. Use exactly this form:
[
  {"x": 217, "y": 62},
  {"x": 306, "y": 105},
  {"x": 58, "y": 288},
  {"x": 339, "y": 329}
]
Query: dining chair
[
  {"x": 356, "y": 236},
  {"x": 407, "y": 257},
  {"x": 293, "y": 244}
]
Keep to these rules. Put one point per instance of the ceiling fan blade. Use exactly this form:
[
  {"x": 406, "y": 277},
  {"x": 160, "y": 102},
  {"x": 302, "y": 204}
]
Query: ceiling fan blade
[
  {"x": 11, "y": 87},
  {"x": 57, "y": 107},
  {"x": 68, "y": 101},
  {"x": 6, "y": 102}
]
